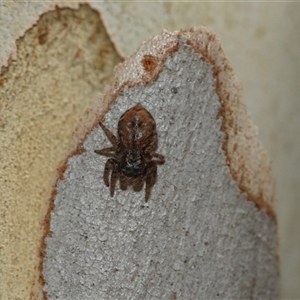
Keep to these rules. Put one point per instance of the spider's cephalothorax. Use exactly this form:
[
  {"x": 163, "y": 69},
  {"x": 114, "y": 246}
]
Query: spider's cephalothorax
[
  {"x": 132, "y": 163},
  {"x": 131, "y": 155}
]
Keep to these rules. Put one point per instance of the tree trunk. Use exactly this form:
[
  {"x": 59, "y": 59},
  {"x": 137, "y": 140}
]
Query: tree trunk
[
  {"x": 209, "y": 229},
  {"x": 56, "y": 60}
]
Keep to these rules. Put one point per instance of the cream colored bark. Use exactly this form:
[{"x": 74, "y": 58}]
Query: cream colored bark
[{"x": 60, "y": 67}]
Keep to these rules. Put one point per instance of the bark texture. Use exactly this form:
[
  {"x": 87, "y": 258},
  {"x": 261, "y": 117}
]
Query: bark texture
[{"x": 203, "y": 234}]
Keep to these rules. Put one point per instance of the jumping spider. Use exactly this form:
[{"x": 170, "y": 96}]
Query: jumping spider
[{"x": 132, "y": 152}]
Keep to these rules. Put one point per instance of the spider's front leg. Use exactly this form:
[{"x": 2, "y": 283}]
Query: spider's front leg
[
  {"x": 110, "y": 152},
  {"x": 108, "y": 166},
  {"x": 150, "y": 178},
  {"x": 138, "y": 183},
  {"x": 114, "y": 177},
  {"x": 113, "y": 139},
  {"x": 160, "y": 158},
  {"x": 123, "y": 181},
  {"x": 113, "y": 165},
  {"x": 149, "y": 152}
]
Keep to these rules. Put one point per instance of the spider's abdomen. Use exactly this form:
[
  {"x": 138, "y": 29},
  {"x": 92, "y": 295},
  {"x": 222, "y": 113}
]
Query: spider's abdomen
[
  {"x": 137, "y": 129},
  {"x": 132, "y": 163}
]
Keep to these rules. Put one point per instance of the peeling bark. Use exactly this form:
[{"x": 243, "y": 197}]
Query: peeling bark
[{"x": 209, "y": 229}]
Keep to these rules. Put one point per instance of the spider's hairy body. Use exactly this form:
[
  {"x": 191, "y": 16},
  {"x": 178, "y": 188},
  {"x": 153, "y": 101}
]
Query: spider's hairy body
[{"x": 131, "y": 157}]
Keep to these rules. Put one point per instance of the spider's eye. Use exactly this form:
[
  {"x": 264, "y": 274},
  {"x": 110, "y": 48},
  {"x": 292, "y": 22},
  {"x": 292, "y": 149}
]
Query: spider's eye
[{"x": 132, "y": 163}]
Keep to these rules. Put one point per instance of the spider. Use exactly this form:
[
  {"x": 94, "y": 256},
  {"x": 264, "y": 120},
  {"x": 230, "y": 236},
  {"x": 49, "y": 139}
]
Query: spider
[{"x": 133, "y": 159}]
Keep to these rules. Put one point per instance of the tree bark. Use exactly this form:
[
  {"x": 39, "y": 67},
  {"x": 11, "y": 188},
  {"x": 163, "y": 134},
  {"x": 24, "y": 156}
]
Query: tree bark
[
  {"x": 54, "y": 63},
  {"x": 209, "y": 229}
]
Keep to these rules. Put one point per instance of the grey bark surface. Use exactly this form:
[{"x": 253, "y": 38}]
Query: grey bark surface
[{"x": 198, "y": 237}]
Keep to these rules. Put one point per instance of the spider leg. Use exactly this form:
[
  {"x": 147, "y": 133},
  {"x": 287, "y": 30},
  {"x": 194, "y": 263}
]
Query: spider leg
[
  {"x": 138, "y": 183},
  {"x": 153, "y": 145},
  {"x": 110, "y": 135},
  {"x": 150, "y": 178},
  {"x": 109, "y": 164},
  {"x": 149, "y": 151},
  {"x": 110, "y": 152},
  {"x": 114, "y": 177},
  {"x": 160, "y": 158},
  {"x": 123, "y": 182}
]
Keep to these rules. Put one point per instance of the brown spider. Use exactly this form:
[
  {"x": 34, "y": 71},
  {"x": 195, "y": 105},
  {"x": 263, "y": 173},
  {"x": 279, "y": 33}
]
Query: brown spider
[{"x": 132, "y": 152}]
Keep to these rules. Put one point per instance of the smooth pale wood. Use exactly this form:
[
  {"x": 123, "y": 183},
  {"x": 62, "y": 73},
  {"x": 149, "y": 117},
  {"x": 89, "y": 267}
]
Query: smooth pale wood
[
  {"x": 56, "y": 75},
  {"x": 209, "y": 229}
]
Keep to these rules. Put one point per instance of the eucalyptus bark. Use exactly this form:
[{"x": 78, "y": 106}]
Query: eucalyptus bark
[{"x": 209, "y": 229}]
